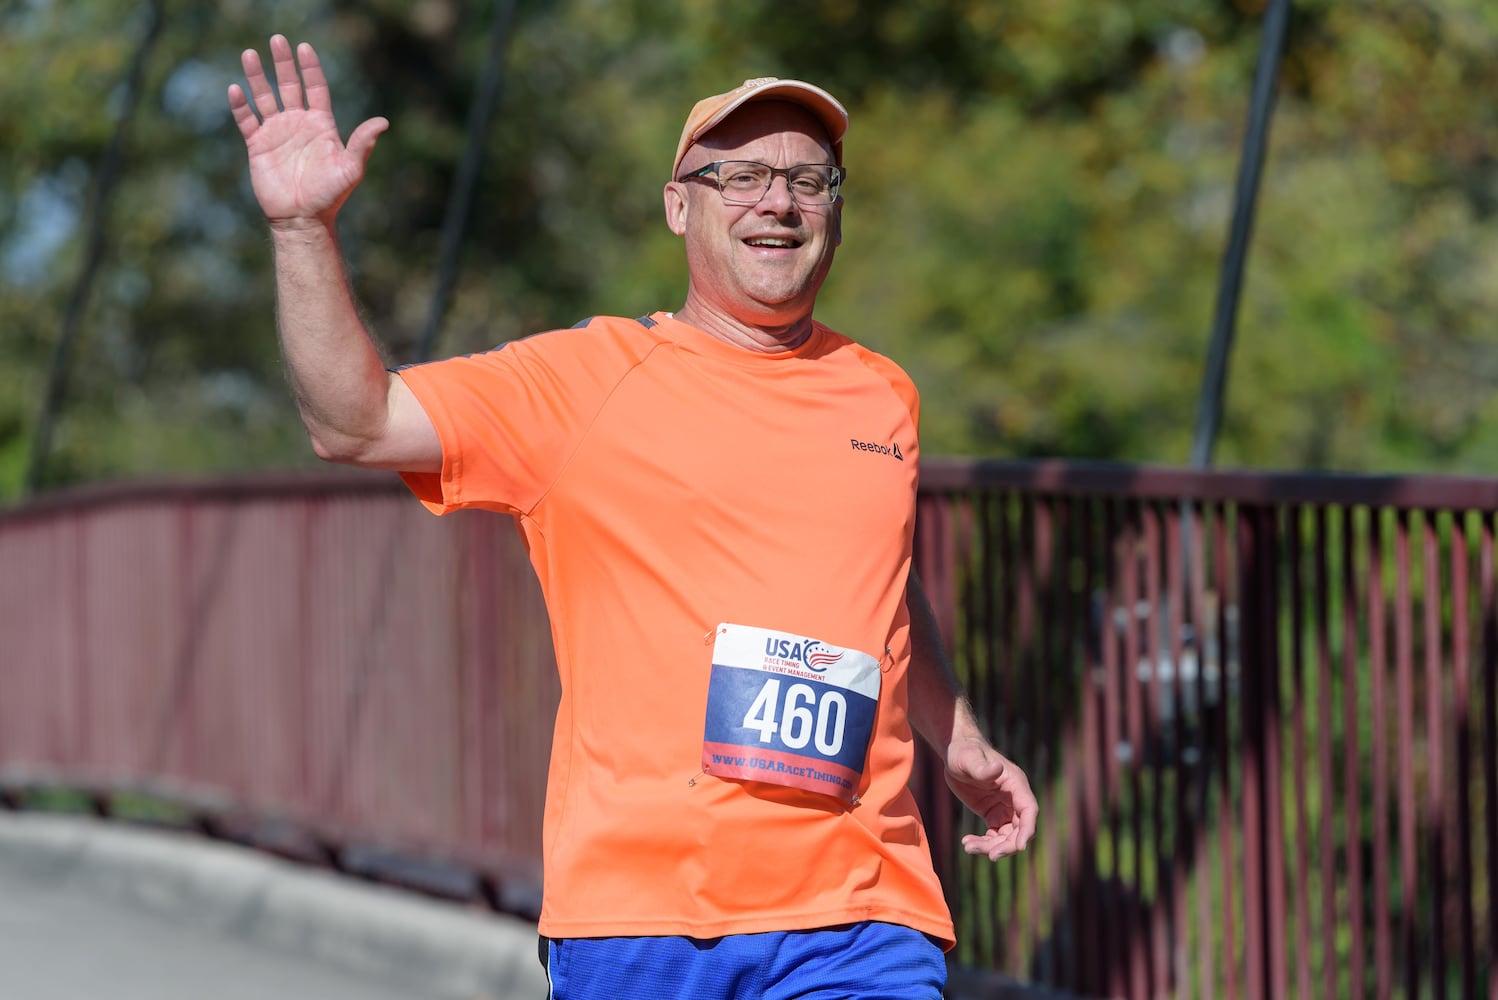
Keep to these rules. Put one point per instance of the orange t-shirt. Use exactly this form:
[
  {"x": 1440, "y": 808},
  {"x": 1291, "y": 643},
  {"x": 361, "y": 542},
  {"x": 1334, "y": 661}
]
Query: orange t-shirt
[{"x": 667, "y": 483}]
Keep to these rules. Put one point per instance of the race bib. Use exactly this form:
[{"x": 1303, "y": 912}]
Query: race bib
[{"x": 789, "y": 710}]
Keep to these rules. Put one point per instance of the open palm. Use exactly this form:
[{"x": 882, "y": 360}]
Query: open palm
[{"x": 300, "y": 169}]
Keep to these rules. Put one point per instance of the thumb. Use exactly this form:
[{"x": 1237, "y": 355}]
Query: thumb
[{"x": 362, "y": 142}]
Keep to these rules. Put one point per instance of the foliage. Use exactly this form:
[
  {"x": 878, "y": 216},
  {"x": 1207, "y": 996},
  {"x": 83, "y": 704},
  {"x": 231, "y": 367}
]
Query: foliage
[{"x": 1035, "y": 220}]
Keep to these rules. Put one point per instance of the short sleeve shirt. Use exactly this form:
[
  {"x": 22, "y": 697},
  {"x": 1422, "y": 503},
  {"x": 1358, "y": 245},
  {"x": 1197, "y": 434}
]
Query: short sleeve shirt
[{"x": 667, "y": 483}]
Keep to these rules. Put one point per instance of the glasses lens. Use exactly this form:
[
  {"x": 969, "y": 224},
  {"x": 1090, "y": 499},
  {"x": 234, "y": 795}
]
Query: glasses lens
[
  {"x": 744, "y": 182},
  {"x": 813, "y": 183}
]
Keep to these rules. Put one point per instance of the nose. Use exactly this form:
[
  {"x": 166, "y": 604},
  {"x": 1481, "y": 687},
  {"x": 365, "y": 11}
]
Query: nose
[{"x": 777, "y": 198}]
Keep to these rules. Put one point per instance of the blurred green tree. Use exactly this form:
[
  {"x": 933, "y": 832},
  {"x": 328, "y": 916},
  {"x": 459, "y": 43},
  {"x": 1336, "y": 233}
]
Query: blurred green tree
[{"x": 1034, "y": 226}]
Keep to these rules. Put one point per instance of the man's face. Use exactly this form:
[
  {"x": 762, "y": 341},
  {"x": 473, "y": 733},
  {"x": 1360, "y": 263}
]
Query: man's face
[{"x": 759, "y": 264}]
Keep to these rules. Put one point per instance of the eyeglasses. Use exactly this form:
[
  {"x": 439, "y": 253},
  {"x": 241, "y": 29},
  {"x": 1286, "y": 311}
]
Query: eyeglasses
[{"x": 745, "y": 182}]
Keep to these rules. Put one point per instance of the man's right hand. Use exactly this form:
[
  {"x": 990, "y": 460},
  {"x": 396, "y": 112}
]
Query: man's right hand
[
  {"x": 355, "y": 411},
  {"x": 301, "y": 171}
]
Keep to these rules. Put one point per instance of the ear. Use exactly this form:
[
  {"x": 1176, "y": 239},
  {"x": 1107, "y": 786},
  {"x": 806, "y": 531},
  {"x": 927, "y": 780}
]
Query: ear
[
  {"x": 835, "y": 224},
  {"x": 675, "y": 197}
]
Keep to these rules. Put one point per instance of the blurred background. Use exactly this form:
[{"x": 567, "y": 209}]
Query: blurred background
[
  {"x": 1261, "y": 710},
  {"x": 1035, "y": 223}
]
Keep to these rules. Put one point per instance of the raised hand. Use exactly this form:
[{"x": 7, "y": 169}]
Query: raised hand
[
  {"x": 998, "y": 791},
  {"x": 300, "y": 169}
]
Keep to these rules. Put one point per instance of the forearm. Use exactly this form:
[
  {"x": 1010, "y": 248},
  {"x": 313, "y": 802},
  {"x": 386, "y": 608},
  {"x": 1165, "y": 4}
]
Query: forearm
[
  {"x": 939, "y": 709},
  {"x": 336, "y": 373}
]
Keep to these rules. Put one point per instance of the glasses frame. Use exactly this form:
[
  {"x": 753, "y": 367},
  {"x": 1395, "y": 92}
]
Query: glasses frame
[{"x": 839, "y": 175}]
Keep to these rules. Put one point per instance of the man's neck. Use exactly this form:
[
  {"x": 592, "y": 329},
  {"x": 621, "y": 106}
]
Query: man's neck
[{"x": 760, "y": 338}]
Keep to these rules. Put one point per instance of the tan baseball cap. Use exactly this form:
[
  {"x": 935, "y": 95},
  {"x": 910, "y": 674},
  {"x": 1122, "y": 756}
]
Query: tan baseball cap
[{"x": 711, "y": 111}]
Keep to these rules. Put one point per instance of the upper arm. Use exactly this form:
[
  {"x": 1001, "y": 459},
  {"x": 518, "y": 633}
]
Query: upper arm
[{"x": 409, "y": 442}]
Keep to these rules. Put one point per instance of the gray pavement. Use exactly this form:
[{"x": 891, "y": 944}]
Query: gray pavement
[{"x": 91, "y": 909}]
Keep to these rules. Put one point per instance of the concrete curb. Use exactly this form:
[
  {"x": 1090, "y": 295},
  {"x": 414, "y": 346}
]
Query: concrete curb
[{"x": 440, "y": 948}]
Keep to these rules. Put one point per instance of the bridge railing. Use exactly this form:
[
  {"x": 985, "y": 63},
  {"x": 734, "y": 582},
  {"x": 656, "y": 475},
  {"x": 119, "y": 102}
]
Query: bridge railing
[
  {"x": 1259, "y": 710},
  {"x": 314, "y": 654}
]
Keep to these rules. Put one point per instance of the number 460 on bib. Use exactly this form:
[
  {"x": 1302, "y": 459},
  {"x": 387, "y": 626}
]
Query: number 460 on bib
[{"x": 803, "y": 717}]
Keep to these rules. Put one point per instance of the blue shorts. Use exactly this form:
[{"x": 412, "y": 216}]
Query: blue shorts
[{"x": 853, "y": 962}]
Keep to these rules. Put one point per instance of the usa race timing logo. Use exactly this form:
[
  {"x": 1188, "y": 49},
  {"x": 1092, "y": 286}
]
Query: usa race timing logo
[{"x": 809, "y": 653}]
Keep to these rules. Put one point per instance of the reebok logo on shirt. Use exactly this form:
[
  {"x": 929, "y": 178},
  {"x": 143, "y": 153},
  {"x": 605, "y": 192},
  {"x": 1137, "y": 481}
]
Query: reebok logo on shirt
[{"x": 892, "y": 450}]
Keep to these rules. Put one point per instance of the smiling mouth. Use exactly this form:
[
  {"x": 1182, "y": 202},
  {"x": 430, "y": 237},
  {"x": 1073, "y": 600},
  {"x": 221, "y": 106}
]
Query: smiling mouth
[{"x": 773, "y": 242}]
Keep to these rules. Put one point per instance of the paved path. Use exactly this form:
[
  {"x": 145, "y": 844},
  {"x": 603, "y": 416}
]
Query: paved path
[
  {"x": 90, "y": 909},
  {"x": 62, "y": 944}
]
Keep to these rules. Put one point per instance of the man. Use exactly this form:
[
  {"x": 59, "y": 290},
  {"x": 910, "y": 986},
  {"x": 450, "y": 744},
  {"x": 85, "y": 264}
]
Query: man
[{"x": 719, "y": 503}]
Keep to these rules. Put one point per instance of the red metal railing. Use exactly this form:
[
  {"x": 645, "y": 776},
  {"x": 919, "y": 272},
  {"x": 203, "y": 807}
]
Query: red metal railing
[
  {"x": 317, "y": 650},
  {"x": 1259, "y": 712},
  {"x": 1259, "y": 709}
]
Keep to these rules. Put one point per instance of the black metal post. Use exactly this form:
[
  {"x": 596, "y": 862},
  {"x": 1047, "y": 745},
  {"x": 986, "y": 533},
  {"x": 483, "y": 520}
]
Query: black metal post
[
  {"x": 1255, "y": 143},
  {"x": 460, "y": 199}
]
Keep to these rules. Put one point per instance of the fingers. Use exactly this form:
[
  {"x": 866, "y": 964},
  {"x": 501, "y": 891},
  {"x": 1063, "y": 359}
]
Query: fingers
[
  {"x": 287, "y": 80},
  {"x": 1024, "y": 810},
  {"x": 1023, "y": 827},
  {"x": 260, "y": 90},
  {"x": 1025, "y": 820},
  {"x": 1004, "y": 838},
  {"x": 239, "y": 107},
  {"x": 319, "y": 98},
  {"x": 995, "y": 844}
]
